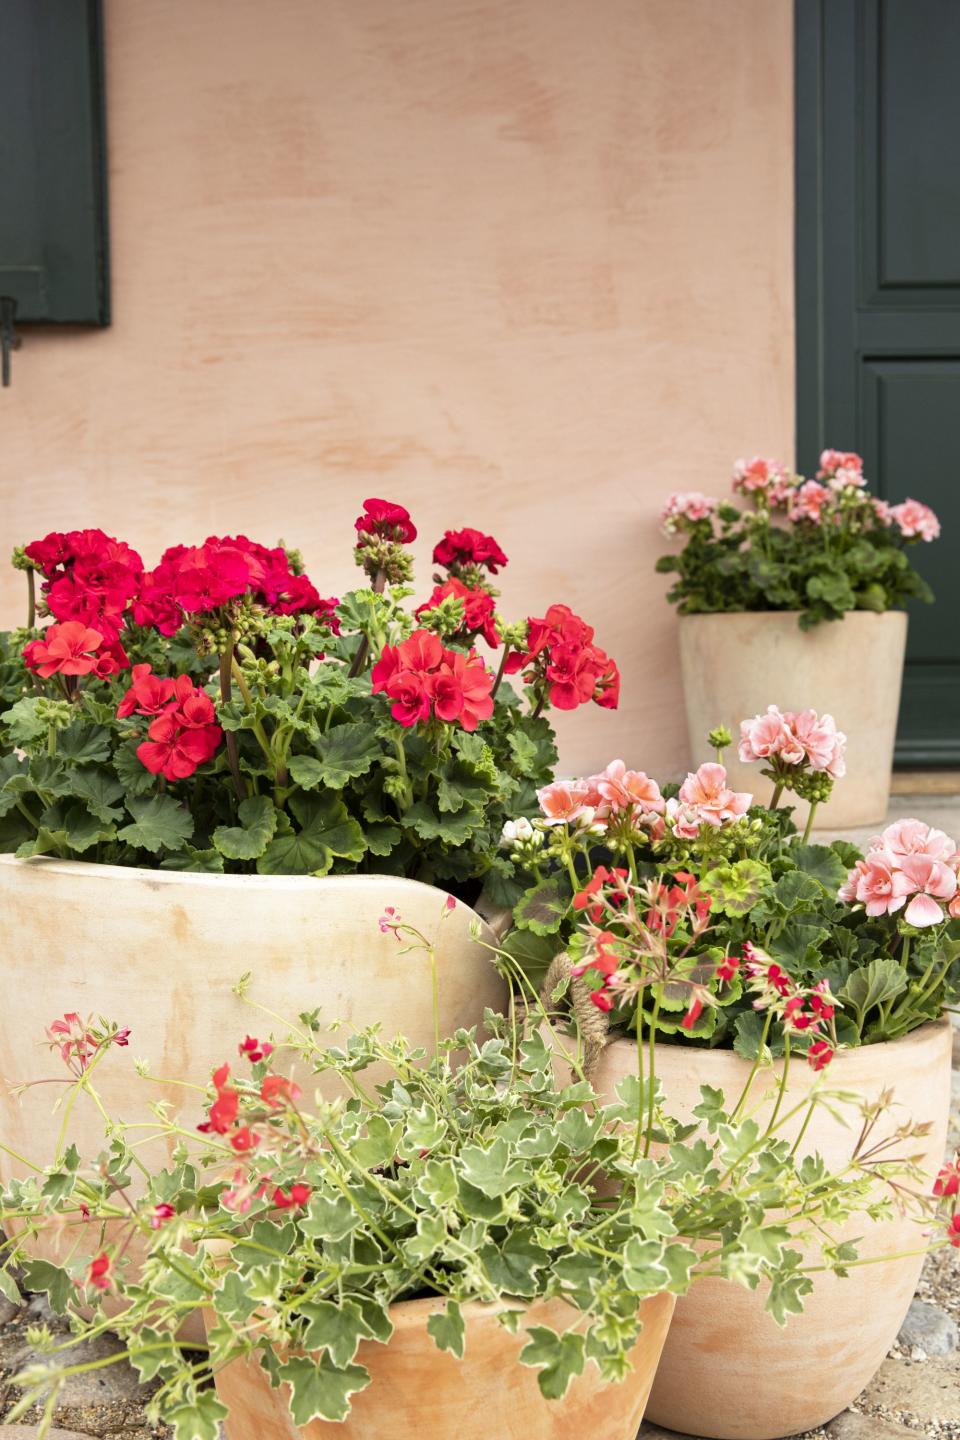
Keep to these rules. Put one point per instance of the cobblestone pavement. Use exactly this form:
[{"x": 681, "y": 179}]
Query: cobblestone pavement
[{"x": 915, "y": 1392}]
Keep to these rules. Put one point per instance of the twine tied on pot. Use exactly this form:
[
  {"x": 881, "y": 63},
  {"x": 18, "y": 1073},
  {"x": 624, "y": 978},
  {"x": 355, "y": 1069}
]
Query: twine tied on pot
[{"x": 592, "y": 1023}]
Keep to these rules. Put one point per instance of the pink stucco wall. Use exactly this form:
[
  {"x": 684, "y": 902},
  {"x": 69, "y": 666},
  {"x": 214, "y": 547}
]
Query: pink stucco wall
[{"x": 520, "y": 264}]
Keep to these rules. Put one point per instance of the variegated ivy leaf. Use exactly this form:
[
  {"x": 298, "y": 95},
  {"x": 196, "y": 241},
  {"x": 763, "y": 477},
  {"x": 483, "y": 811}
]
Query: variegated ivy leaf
[
  {"x": 448, "y": 1330},
  {"x": 319, "y": 1389},
  {"x": 199, "y": 1419},
  {"x": 559, "y": 1358}
]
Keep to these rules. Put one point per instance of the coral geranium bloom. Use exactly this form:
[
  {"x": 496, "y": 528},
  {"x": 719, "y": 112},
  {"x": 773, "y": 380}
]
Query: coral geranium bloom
[{"x": 67, "y": 649}]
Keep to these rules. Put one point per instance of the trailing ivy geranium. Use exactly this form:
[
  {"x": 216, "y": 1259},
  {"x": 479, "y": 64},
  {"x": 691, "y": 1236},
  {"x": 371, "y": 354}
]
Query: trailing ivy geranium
[
  {"x": 298, "y": 1226},
  {"x": 217, "y": 713},
  {"x": 745, "y": 919},
  {"x": 822, "y": 547}
]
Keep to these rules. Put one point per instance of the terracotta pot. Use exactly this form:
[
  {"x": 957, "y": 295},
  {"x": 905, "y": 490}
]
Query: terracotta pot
[
  {"x": 734, "y": 666},
  {"x": 160, "y": 951},
  {"x": 728, "y": 1370},
  {"x": 418, "y": 1390}
]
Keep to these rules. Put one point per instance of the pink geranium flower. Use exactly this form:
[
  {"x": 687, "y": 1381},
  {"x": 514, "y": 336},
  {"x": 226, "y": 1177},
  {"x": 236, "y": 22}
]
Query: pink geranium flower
[
  {"x": 762, "y": 736},
  {"x": 930, "y": 881},
  {"x": 624, "y": 789},
  {"x": 808, "y": 502},
  {"x": 689, "y": 505},
  {"x": 915, "y": 837},
  {"x": 916, "y": 521},
  {"x": 822, "y": 744},
  {"x": 759, "y": 474},
  {"x": 876, "y": 884},
  {"x": 565, "y": 801},
  {"x": 710, "y": 798}
]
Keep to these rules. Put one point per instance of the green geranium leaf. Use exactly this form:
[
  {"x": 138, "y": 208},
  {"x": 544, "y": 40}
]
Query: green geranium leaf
[
  {"x": 207, "y": 862},
  {"x": 541, "y": 909},
  {"x": 8, "y": 1288},
  {"x": 644, "y": 1272},
  {"x": 344, "y": 753},
  {"x": 454, "y": 829},
  {"x": 70, "y": 827},
  {"x": 438, "y": 1183},
  {"x": 491, "y": 1171},
  {"x": 249, "y": 839},
  {"x": 200, "y": 1419},
  {"x": 22, "y": 722},
  {"x": 153, "y": 1354},
  {"x": 822, "y": 863},
  {"x": 874, "y": 984},
  {"x": 83, "y": 743},
  {"x": 382, "y": 837},
  {"x": 735, "y": 889},
  {"x": 52, "y": 1280},
  {"x": 448, "y": 1330},
  {"x": 101, "y": 792},
  {"x": 327, "y": 832},
  {"x": 321, "y": 1390},
  {"x": 133, "y": 774},
  {"x": 338, "y": 1328},
  {"x": 559, "y": 1359},
  {"x": 159, "y": 823}
]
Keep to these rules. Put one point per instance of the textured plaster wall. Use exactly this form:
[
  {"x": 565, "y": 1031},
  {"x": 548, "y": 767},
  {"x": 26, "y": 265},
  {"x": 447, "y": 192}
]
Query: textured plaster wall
[{"x": 521, "y": 264}]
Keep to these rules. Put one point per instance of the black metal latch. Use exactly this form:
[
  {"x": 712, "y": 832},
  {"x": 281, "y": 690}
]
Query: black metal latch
[{"x": 9, "y": 339}]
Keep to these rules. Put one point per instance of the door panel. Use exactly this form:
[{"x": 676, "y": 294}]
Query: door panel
[{"x": 878, "y": 294}]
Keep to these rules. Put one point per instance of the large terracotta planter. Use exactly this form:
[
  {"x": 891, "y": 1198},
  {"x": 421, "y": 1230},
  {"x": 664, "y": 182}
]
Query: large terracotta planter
[
  {"x": 734, "y": 666},
  {"x": 728, "y": 1369},
  {"x": 418, "y": 1390},
  {"x": 161, "y": 951}
]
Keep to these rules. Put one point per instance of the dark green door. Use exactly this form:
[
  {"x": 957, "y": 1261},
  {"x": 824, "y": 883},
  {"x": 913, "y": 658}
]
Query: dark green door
[{"x": 878, "y": 294}]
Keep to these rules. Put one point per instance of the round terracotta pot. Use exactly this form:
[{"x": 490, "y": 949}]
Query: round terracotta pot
[
  {"x": 160, "y": 951},
  {"x": 418, "y": 1390},
  {"x": 735, "y": 665},
  {"x": 728, "y": 1370}
]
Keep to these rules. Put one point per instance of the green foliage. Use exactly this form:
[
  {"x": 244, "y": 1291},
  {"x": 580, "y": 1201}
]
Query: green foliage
[
  {"x": 471, "y": 1177},
  {"x": 753, "y": 560}
]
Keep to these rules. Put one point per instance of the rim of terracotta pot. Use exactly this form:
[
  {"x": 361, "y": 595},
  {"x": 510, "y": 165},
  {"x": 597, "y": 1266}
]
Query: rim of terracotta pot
[
  {"x": 874, "y": 616},
  {"x": 203, "y": 880},
  {"x": 844, "y": 1059}
]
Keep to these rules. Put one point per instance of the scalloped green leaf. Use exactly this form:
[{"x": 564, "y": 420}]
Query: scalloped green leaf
[
  {"x": 159, "y": 823},
  {"x": 249, "y": 839}
]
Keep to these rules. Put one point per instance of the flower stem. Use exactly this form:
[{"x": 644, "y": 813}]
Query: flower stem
[
  {"x": 650, "y": 1081},
  {"x": 360, "y": 659},
  {"x": 31, "y": 600},
  {"x": 233, "y": 757},
  {"x": 501, "y": 670},
  {"x": 775, "y": 798},
  {"x": 809, "y": 825},
  {"x": 755, "y": 1067}
]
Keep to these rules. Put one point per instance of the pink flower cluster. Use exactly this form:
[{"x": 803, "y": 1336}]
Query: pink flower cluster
[
  {"x": 910, "y": 867},
  {"x": 916, "y": 520},
  {"x": 795, "y": 737},
  {"x": 705, "y": 798},
  {"x": 685, "y": 505},
  {"x": 807, "y": 502},
  {"x": 183, "y": 733},
  {"x": 841, "y": 468},
  {"x": 761, "y": 476},
  {"x": 594, "y": 800}
]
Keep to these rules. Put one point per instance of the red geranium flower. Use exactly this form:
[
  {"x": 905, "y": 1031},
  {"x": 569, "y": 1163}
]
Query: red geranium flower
[
  {"x": 160, "y": 1214},
  {"x": 148, "y": 693},
  {"x": 423, "y": 678},
  {"x": 224, "y": 1110},
  {"x": 953, "y": 1230},
  {"x": 562, "y": 658},
  {"x": 820, "y": 1054},
  {"x": 385, "y": 520},
  {"x": 479, "y": 609},
  {"x": 67, "y": 649},
  {"x": 98, "y": 1272},
  {"x": 727, "y": 968},
  {"x": 244, "y": 1140},
  {"x": 468, "y": 547},
  {"x": 298, "y": 1195},
  {"x": 254, "y": 1049},
  {"x": 277, "y": 1088},
  {"x": 948, "y": 1181}
]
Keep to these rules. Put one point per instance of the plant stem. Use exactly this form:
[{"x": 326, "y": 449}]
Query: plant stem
[
  {"x": 755, "y": 1067},
  {"x": 783, "y": 1085},
  {"x": 31, "y": 600},
  {"x": 636, "y": 1146},
  {"x": 775, "y": 798},
  {"x": 538, "y": 708},
  {"x": 658, "y": 995},
  {"x": 809, "y": 825},
  {"x": 233, "y": 757},
  {"x": 500, "y": 671},
  {"x": 360, "y": 659}
]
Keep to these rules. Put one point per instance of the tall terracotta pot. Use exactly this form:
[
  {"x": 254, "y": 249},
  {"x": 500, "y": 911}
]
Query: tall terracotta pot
[
  {"x": 735, "y": 665},
  {"x": 728, "y": 1370},
  {"x": 160, "y": 951},
  {"x": 418, "y": 1390}
]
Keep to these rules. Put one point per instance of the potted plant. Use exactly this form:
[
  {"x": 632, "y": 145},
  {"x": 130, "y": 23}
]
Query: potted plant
[
  {"x": 692, "y": 917},
  {"x": 757, "y": 589},
  {"x": 474, "y": 1249},
  {"x": 209, "y": 760}
]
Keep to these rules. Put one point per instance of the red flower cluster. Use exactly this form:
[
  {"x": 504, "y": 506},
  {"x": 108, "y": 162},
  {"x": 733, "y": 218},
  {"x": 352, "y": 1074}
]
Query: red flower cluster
[
  {"x": 479, "y": 609},
  {"x": 800, "y": 1011},
  {"x": 460, "y": 548},
  {"x": 585, "y": 899},
  {"x": 78, "y": 1040},
  {"x": 947, "y": 1183},
  {"x": 73, "y": 649},
  {"x": 674, "y": 903},
  {"x": 424, "y": 679},
  {"x": 194, "y": 580},
  {"x": 561, "y": 655},
  {"x": 99, "y": 1272},
  {"x": 253, "y": 1049},
  {"x": 183, "y": 732},
  {"x": 89, "y": 577},
  {"x": 384, "y": 520}
]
